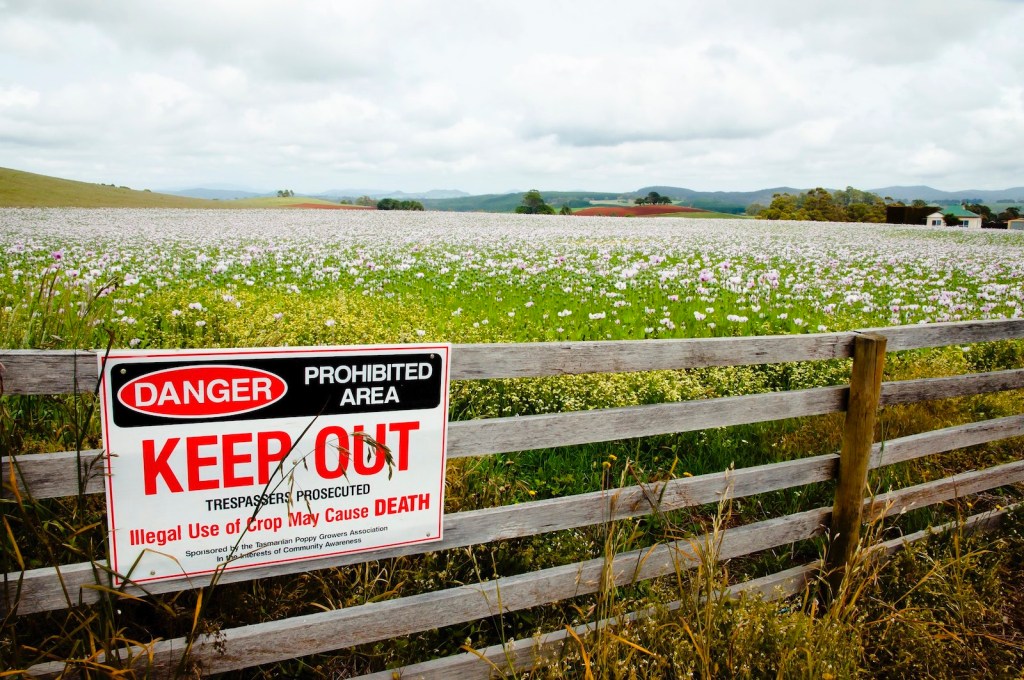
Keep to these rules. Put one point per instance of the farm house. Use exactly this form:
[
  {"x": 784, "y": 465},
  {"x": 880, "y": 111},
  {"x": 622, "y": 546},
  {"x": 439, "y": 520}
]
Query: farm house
[{"x": 967, "y": 218}]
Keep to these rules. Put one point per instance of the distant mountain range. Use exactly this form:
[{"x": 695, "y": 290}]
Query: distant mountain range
[
  {"x": 719, "y": 201},
  {"x": 331, "y": 194},
  {"x": 728, "y": 201},
  {"x": 217, "y": 194},
  {"x": 19, "y": 188},
  {"x": 1011, "y": 195},
  {"x": 378, "y": 194}
]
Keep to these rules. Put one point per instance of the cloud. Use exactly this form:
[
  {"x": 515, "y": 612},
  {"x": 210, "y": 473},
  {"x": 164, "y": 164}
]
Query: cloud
[
  {"x": 668, "y": 95},
  {"x": 487, "y": 96},
  {"x": 18, "y": 97}
]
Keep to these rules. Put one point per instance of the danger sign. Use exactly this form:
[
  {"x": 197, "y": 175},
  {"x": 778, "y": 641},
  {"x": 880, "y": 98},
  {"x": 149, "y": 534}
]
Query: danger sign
[{"x": 237, "y": 458}]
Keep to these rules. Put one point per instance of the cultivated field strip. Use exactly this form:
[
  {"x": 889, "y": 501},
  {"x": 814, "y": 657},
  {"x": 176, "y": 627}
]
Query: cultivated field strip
[
  {"x": 45, "y": 589},
  {"x": 70, "y": 371}
]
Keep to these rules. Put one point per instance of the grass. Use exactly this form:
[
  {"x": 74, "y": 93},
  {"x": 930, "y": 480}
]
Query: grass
[{"x": 28, "y": 190}]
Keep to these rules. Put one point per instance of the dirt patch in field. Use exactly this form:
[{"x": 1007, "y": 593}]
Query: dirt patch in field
[
  {"x": 636, "y": 211},
  {"x": 327, "y": 206}
]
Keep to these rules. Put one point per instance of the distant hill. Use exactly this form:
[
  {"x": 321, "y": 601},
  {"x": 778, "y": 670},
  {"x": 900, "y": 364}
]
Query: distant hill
[
  {"x": 433, "y": 193},
  {"x": 925, "y": 193},
  {"x": 26, "y": 189},
  {"x": 721, "y": 201},
  {"x": 20, "y": 189},
  {"x": 402, "y": 195},
  {"x": 217, "y": 194},
  {"x": 509, "y": 202},
  {"x": 29, "y": 190},
  {"x": 734, "y": 202}
]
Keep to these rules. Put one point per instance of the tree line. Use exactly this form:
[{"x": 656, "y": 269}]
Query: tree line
[
  {"x": 820, "y": 205},
  {"x": 854, "y": 205},
  {"x": 988, "y": 215},
  {"x": 384, "y": 203},
  {"x": 395, "y": 204},
  {"x": 652, "y": 198},
  {"x": 534, "y": 204}
]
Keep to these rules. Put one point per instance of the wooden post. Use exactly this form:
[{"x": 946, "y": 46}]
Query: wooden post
[{"x": 858, "y": 436}]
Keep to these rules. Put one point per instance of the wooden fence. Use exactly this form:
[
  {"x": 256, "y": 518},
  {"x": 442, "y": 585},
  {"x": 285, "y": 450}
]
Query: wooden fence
[{"x": 70, "y": 473}]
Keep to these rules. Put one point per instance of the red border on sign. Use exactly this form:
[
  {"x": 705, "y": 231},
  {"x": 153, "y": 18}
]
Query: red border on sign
[{"x": 105, "y": 359}]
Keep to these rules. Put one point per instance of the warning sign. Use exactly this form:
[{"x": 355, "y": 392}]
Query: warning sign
[{"x": 230, "y": 459}]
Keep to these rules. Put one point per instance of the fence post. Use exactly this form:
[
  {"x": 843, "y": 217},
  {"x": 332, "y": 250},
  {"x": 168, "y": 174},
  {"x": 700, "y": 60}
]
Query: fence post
[{"x": 858, "y": 436}]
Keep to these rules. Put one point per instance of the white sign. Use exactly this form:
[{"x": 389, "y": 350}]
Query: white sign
[{"x": 239, "y": 458}]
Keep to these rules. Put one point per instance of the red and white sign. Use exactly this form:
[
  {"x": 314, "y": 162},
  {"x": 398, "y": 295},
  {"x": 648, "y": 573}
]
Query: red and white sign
[
  {"x": 230, "y": 459},
  {"x": 202, "y": 391}
]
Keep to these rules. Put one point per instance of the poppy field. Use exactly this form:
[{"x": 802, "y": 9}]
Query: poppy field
[
  {"x": 70, "y": 278},
  {"x": 95, "y": 278}
]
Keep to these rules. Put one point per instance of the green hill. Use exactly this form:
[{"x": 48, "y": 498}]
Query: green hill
[
  {"x": 20, "y": 189},
  {"x": 27, "y": 190}
]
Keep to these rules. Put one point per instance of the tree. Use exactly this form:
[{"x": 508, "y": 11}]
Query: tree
[
  {"x": 847, "y": 205},
  {"x": 654, "y": 198},
  {"x": 366, "y": 201},
  {"x": 566, "y": 210},
  {"x": 1011, "y": 213},
  {"x": 783, "y": 207},
  {"x": 951, "y": 220},
  {"x": 534, "y": 204},
  {"x": 819, "y": 206},
  {"x": 395, "y": 204},
  {"x": 981, "y": 209},
  {"x": 285, "y": 193},
  {"x": 866, "y": 212}
]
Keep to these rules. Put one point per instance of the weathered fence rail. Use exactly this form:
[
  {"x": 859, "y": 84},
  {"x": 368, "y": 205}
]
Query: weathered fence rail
[{"x": 27, "y": 372}]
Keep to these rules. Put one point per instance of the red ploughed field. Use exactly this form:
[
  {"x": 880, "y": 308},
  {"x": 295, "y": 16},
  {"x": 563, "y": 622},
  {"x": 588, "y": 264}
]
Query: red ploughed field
[{"x": 635, "y": 211}]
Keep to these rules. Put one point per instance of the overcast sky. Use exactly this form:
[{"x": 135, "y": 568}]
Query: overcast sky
[{"x": 495, "y": 96}]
